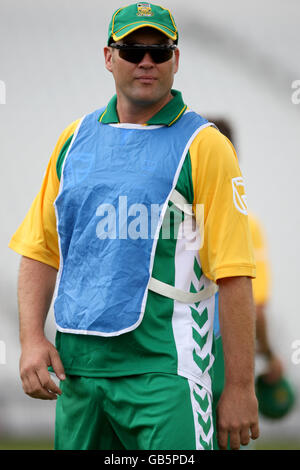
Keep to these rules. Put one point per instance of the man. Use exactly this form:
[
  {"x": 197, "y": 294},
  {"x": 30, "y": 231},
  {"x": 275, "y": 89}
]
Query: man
[
  {"x": 261, "y": 295},
  {"x": 143, "y": 231}
]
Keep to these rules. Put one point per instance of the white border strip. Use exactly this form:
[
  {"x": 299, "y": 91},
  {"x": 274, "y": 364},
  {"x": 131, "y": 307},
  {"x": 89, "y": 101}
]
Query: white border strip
[{"x": 141, "y": 127}]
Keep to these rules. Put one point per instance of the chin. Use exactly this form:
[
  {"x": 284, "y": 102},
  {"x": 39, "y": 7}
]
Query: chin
[{"x": 147, "y": 97}]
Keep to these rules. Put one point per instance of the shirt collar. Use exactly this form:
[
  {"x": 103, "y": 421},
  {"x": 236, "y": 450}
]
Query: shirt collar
[{"x": 167, "y": 116}]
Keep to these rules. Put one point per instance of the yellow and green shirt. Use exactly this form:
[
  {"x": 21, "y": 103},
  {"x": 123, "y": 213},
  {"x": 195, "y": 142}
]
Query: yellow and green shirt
[{"x": 210, "y": 176}]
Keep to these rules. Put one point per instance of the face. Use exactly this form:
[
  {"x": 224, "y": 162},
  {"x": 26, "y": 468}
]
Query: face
[{"x": 145, "y": 83}]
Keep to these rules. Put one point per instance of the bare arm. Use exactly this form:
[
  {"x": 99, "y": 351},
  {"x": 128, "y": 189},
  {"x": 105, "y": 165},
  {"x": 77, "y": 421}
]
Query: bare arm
[
  {"x": 237, "y": 410},
  {"x": 35, "y": 290}
]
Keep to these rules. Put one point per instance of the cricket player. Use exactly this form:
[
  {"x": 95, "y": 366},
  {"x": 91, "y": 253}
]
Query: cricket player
[{"x": 139, "y": 221}]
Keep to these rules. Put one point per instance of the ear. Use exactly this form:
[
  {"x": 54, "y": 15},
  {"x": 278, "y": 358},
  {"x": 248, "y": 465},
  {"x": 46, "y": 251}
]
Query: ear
[
  {"x": 108, "y": 57},
  {"x": 176, "y": 65}
]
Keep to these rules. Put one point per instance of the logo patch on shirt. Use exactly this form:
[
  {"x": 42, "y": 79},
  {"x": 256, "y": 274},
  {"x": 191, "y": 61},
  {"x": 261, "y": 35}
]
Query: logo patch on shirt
[
  {"x": 239, "y": 196},
  {"x": 144, "y": 9}
]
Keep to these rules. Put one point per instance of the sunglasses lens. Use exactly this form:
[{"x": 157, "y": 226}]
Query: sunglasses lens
[
  {"x": 161, "y": 56},
  {"x": 135, "y": 56},
  {"x": 131, "y": 55}
]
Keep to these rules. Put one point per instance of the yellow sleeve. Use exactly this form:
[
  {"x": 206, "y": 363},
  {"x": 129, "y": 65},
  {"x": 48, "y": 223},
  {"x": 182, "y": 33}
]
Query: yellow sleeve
[
  {"x": 36, "y": 237},
  {"x": 218, "y": 185},
  {"x": 261, "y": 285}
]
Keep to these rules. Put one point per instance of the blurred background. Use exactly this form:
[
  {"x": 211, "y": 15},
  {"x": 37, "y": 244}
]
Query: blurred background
[{"x": 239, "y": 60}]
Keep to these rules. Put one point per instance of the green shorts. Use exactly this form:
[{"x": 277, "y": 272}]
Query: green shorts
[{"x": 141, "y": 412}]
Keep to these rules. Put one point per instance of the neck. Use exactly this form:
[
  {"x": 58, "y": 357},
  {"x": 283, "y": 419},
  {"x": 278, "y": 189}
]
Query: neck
[{"x": 139, "y": 113}]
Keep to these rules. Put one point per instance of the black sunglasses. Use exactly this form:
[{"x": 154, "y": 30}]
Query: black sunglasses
[{"x": 135, "y": 52}]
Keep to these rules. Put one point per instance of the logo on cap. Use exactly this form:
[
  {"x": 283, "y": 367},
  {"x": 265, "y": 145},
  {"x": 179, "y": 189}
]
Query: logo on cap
[{"x": 144, "y": 9}]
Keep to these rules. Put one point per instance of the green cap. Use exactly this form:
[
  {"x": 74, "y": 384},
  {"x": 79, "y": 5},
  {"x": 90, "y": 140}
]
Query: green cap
[
  {"x": 274, "y": 400},
  {"x": 140, "y": 15}
]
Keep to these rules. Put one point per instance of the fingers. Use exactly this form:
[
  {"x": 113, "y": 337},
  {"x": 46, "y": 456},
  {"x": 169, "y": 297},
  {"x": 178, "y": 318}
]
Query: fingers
[
  {"x": 234, "y": 439},
  {"x": 46, "y": 382},
  {"x": 37, "y": 382},
  {"x": 237, "y": 417},
  {"x": 33, "y": 387},
  {"x": 237, "y": 436},
  {"x": 235, "y": 442},
  {"x": 254, "y": 431},
  {"x": 244, "y": 436},
  {"x": 34, "y": 363},
  {"x": 222, "y": 439},
  {"x": 57, "y": 365}
]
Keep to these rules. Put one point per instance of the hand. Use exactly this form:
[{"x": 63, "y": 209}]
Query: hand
[
  {"x": 274, "y": 370},
  {"x": 36, "y": 357},
  {"x": 237, "y": 417}
]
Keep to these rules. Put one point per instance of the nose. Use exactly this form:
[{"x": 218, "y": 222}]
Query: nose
[{"x": 147, "y": 61}]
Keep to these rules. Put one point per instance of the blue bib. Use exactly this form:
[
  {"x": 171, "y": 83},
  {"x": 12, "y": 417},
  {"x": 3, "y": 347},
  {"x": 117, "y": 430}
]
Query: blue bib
[{"x": 112, "y": 179}]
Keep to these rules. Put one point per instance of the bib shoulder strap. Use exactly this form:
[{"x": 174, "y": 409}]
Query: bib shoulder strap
[
  {"x": 181, "y": 203},
  {"x": 181, "y": 296},
  {"x": 172, "y": 292}
]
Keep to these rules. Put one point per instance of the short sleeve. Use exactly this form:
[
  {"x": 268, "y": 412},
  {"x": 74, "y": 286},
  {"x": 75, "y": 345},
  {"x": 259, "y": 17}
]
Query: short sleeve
[
  {"x": 219, "y": 187},
  {"x": 36, "y": 237}
]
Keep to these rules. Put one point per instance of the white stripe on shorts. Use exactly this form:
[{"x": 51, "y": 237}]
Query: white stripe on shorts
[{"x": 203, "y": 419}]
